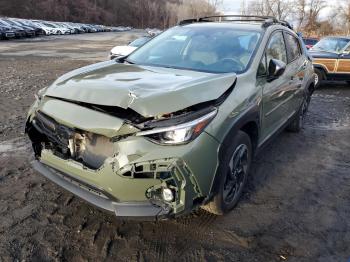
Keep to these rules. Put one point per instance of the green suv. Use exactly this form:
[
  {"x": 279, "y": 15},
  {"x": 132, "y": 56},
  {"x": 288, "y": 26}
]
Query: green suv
[{"x": 175, "y": 125}]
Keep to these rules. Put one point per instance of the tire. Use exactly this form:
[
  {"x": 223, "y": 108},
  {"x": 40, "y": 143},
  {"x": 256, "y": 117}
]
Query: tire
[
  {"x": 298, "y": 122},
  {"x": 231, "y": 186},
  {"x": 319, "y": 77}
]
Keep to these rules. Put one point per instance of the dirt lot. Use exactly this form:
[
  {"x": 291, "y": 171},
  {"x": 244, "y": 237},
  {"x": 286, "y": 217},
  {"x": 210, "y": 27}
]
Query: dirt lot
[{"x": 296, "y": 206}]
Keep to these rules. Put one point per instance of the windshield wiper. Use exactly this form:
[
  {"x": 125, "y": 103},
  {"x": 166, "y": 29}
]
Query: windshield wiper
[{"x": 129, "y": 62}]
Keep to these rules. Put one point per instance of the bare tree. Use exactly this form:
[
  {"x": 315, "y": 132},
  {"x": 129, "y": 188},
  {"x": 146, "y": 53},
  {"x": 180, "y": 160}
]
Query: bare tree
[
  {"x": 344, "y": 15},
  {"x": 280, "y": 9},
  {"x": 306, "y": 13},
  {"x": 136, "y": 13},
  {"x": 300, "y": 13},
  {"x": 314, "y": 9}
]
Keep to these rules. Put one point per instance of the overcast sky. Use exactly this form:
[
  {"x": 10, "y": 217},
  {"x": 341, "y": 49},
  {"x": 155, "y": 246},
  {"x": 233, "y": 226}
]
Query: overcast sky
[{"x": 233, "y": 6}]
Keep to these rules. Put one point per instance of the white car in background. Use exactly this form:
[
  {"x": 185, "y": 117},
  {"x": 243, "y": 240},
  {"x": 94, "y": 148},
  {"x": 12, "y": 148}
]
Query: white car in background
[
  {"x": 119, "y": 51},
  {"x": 48, "y": 30},
  {"x": 60, "y": 30}
]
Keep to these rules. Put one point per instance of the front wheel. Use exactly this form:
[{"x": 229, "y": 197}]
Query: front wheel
[{"x": 233, "y": 172}]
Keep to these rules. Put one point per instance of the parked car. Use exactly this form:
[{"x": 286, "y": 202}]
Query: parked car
[
  {"x": 72, "y": 30},
  {"x": 19, "y": 32},
  {"x": 310, "y": 42},
  {"x": 331, "y": 59},
  {"x": 77, "y": 29},
  {"x": 37, "y": 30},
  {"x": 119, "y": 28},
  {"x": 89, "y": 28},
  {"x": 6, "y": 33},
  {"x": 128, "y": 49},
  {"x": 60, "y": 30},
  {"x": 176, "y": 124},
  {"x": 49, "y": 30},
  {"x": 29, "y": 32}
]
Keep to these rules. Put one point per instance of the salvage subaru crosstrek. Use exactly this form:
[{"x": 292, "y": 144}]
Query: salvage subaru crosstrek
[{"x": 173, "y": 126}]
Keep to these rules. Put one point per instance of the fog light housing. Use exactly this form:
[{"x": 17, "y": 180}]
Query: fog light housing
[{"x": 167, "y": 194}]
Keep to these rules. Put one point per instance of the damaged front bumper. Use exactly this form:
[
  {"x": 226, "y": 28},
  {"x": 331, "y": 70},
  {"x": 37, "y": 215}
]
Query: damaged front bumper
[
  {"x": 130, "y": 183},
  {"x": 142, "y": 210}
]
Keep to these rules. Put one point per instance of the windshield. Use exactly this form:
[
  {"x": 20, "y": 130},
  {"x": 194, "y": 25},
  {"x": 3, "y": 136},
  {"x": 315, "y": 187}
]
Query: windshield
[
  {"x": 48, "y": 25},
  {"x": 207, "y": 49},
  {"x": 333, "y": 45},
  {"x": 9, "y": 22}
]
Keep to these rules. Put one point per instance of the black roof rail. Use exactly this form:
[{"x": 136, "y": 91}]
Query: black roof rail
[{"x": 265, "y": 20}]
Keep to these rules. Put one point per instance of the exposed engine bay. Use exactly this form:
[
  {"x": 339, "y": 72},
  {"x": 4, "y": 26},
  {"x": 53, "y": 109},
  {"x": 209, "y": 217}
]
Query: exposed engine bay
[{"x": 88, "y": 148}]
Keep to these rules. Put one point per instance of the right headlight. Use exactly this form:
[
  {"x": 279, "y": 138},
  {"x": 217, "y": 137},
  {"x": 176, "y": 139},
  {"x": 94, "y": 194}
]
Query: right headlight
[{"x": 179, "y": 134}]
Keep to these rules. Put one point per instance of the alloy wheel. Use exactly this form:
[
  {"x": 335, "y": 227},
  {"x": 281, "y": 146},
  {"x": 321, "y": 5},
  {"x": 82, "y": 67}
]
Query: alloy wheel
[{"x": 236, "y": 174}]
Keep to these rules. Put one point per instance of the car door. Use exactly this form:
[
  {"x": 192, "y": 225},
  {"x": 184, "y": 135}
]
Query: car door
[
  {"x": 274, "y": 93},
  {"x": 297, "y": 63}
]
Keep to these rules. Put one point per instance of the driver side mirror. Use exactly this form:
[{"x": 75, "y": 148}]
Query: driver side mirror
[{"x": 276, "y": 69}]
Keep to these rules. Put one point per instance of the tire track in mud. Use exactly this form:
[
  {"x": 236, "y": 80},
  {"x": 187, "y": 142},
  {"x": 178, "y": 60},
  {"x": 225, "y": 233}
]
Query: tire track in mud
[
  {"x": 14, "y": 146},
  {"x": 194, "y": 255},
  {"x": 158, "y": 245},
  {"x": 193, "y": 234},
  {"x": 197, "y": 226}
]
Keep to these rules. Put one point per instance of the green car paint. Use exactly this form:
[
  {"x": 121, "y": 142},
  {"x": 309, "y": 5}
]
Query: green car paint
[
  {"x": 148, "y": 91},
  {"x": 107, "y": 114}
]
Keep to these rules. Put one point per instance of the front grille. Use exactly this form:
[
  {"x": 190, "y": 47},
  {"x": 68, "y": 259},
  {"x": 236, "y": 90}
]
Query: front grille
[
  {"x": 55, "y": 132},
  {"x": 85, "y": 147}
]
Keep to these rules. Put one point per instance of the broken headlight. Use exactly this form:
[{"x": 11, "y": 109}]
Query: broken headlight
[{"x": 179, "y": 134}]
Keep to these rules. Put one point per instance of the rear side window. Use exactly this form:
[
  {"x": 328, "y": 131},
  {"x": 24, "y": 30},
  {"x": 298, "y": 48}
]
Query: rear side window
[
  {"x": 276, "y": 49},
  {"x": 293, "y": 47}
]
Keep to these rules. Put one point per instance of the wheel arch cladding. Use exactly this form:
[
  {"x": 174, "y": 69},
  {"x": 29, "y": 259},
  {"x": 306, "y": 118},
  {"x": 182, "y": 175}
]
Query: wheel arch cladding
[{"x": 249, "y": 123}]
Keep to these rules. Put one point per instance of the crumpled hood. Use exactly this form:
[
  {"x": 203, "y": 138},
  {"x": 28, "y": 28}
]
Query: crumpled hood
[{"x": 149, "y": 91}]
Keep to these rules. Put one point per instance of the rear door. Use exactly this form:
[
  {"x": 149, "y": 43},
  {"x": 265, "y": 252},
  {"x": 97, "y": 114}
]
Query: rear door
[
  {"x": 297, "y": 63},
  {"x": 274, "y": 94}
]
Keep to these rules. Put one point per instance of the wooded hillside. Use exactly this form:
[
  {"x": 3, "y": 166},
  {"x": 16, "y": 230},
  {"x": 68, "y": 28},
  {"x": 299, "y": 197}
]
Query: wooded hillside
[{"x": 136, "y": 13}]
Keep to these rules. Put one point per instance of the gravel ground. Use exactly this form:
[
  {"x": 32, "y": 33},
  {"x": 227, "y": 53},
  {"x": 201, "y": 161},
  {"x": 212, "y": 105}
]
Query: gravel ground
[{"x": 295, "y": 208}]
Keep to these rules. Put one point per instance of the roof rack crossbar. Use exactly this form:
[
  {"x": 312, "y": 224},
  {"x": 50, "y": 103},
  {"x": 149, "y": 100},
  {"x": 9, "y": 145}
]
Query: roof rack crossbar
[
  {"x": 241, "y": 16},
  {"x": 266, "y": 20}
]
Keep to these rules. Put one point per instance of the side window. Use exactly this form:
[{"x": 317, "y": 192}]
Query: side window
[
  {"x": 293, "y": 47},
  {"x": 276, "y": 49}
]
